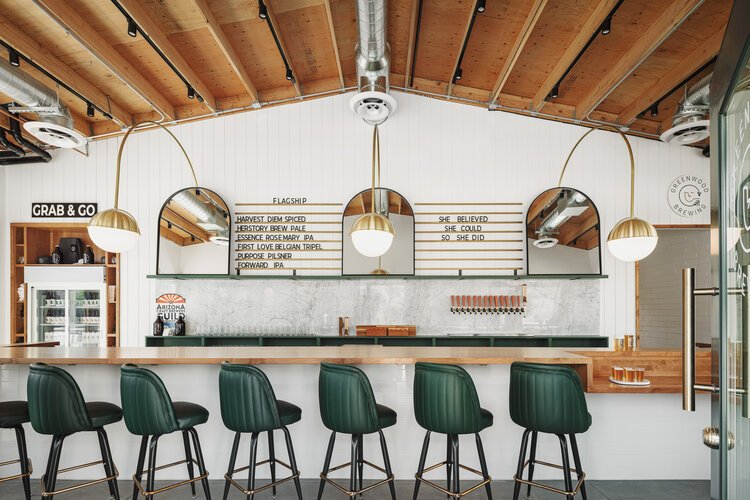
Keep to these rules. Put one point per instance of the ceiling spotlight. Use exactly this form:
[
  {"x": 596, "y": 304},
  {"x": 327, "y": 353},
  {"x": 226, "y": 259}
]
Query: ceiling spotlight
[
  {"x": 607, "y": 26},
  {"x": 655, "y": 109},
  {"x": 14, "y": 58},
  {"x": 89, "y": 110},
  {"x": 458, "y": 75},
  {"x": 132, "y": 28},
  {"x": 191, "y": 93},
  {"x": 289, "y": 74},
  {"x": 200, "y": 97},
  {"x": 262, "y": 10},
  {"x": 480, "y": 6},
  {"x": 554, "y": 92}
]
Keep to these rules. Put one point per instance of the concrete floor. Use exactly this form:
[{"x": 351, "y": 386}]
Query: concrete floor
[{"x": 597, "y": 490}]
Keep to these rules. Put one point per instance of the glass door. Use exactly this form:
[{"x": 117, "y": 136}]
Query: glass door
[
  {"x": 86, "y": 321},
  {"x": 49, "y": 321}
]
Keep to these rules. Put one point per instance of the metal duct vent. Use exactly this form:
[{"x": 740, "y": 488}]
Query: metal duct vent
[
  {"x": 690, "y": 122},
  {"x": 209, "y": 216},
  {"x": 54, "y": 125},
  {"x": 373, "y": 58},
  {"x": 569, "y": 205}
]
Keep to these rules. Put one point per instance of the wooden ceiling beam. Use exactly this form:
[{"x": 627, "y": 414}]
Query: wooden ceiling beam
[
  {"x": 30, "y": 48},
  {"x": 274, "y": 22},
  {"x": 464, "y": 41},
  {"x": 226, "y": 48},
  {"x": 412, "y": 42},
  {"x": 589, "y": 27},
  {"x": 518, "y": 44},
  {"x": 689, "y": 65},
  {"x": 138, "y": 14},
  {"x": 329, "y": 18},
  {"x": 72, "y": 22},
  {"x": 173, "y": 217},
  {"x": 659, "y": 30}
]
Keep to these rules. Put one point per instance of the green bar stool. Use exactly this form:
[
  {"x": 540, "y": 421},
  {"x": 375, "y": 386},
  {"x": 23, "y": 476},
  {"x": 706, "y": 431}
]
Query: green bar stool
[
  {"x": 549, "y": 399},
  {"x": 13, "y": 414},
  {"x": 249, "y": 405},
  {"x": 57, "y": 408},
  {"x": 348, "y": 406},
  {"x": 446, "y": 402},
  {"x": 150, "y": 412}
]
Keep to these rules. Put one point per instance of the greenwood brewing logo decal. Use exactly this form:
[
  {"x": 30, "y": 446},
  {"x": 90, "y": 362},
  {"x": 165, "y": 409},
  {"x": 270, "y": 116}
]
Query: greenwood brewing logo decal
[{"x": 688, "y": 195}]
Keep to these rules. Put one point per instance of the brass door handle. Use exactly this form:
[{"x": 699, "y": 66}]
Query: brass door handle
[
  {"x": 712, "y": 438},
  {"x": 689, "y": 292}
]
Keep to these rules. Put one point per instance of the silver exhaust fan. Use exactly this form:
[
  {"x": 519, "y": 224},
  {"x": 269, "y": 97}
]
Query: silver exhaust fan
[
  {"x": 54, "y": 125},
  {"x": 690, "y": 122}
]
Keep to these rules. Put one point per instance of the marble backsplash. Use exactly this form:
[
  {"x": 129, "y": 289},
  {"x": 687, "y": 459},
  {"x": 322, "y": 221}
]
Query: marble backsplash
[{"x": 226, "y": 307}]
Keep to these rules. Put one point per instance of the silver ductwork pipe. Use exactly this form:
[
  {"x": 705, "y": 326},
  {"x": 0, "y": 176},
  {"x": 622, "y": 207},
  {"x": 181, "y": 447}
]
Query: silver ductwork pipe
[
  {"x": 373, "y": 56},
  {"x": 556, "y": 218},
  {"x": 27, "y": 91},
  {"x": 207, "y": 214},
  {"x": 697, "y": 95}
]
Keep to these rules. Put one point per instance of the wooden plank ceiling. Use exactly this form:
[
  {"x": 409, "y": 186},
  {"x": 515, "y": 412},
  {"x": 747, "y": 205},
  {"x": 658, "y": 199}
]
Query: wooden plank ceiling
[{"x": 516, "y": 52}]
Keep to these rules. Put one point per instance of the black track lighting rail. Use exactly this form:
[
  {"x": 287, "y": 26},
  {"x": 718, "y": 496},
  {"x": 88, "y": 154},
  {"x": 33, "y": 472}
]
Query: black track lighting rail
[
  {"x": 655, "y": 104},
  {"x": 134, "y": 29},
  {"x": 13, "y": 53},
  {"x": 458, "y": 71},
  {"x": 263, "y": 14},
  {"x": 410, "y": 83},
  {"x": 603, "y": 29}
]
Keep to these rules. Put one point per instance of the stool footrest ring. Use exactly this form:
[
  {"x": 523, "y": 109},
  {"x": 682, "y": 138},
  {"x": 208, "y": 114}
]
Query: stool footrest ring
[
  {"x": 420, "y": 477},
  {"x": 17, "y": 476},
  {"x": 229, "y": 477},
  {"x": 146, "y": 494},
  {"x": 580, "y": 482},
  {"x": 46, "y": 493},
  {"x": 352, "y": 494}
]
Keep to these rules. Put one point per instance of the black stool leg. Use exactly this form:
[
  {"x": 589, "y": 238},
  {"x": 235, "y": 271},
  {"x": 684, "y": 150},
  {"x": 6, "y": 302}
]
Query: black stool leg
[
  {"x": 577, "y": 462},
  {"x": 360, "y": 459},
  {"x": 109, "y": 465},
  {"x": 565, "y": 463},
  {"x": 448, "y": 461},
  {"x": 387, "y": 463},
  {"x": 521, "y": 459},
  {"x": 253, "y": 460},
  {"x": 456, "y": 467},
  {"x": 55, "y": 465},
  {"x": 353, "y": 468},
  {"x": 326, "y": 464},
  {"x": 420, "y": 467},
  {"x": 201, "y": 462},
  {"x": 292, "y": 461},
  {"x": 232, "y": 461},
  {"x": 139, "y": 466},
  {"x": 532, "y": 457},
  {"x": 189, "y": 459},
  {"x": 272, "y": 460},
  {"x": 483, "y": 463},
  {"x": 151, "y": 465},
  {"x": 24, "y": 458}
]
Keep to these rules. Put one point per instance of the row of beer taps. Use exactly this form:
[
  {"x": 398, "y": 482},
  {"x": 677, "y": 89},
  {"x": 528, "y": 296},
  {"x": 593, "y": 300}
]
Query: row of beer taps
[{"x": 489, "y": 304}]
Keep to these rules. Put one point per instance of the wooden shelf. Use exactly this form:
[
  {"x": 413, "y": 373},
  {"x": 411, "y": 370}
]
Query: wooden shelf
[
  {"x": 60, "y": 265},
  {"x": 371, "y": 277}
]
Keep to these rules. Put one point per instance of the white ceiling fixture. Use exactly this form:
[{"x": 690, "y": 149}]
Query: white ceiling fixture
[{"x": 690, "y": 123}]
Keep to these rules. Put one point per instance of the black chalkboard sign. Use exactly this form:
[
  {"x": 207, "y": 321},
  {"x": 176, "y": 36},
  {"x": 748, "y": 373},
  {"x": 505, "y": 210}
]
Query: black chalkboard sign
[{"x": 63, "y": 210}]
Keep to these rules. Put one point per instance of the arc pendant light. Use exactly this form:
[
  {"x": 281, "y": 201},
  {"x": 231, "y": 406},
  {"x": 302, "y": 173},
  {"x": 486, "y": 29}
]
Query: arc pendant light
[
  {"x": 631, "y": 239},
  {"x": 372, "y": 234},
  {"x": 116, "y": 230}
]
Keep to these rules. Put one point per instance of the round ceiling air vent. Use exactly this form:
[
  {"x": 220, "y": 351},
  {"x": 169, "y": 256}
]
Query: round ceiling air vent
[
  {"x": 55, "y": 135},
  {"x": 373, "y": 107},
  {"x": 687, "y": 133},
  {"x": 545, "y": 242},
  {"x": 222, "y": 241}
]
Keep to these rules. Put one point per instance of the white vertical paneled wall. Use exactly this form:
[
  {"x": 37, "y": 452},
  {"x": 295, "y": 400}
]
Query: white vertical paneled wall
[{"x": 432, "y": 151}]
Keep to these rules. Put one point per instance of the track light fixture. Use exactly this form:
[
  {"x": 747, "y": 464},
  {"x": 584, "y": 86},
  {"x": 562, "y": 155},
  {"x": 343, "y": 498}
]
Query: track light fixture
[
  {"x": 262, "y": 10},
  {"x": 554, "y": 92},
  {"x": 655, "y": 109},
  {"x": 458, "y": 75},
  {"x": 200, "y": 97},
  {"x": 132, "y": 28},
  {"x": 14, "y": 58},
  {"x": 89, "y": 110},
  {"x": 191, "y": 93},
  {"x": 289, "y": 74},
  {"x": 607, "y": 26},
  {"x": 481, "y": 5}
]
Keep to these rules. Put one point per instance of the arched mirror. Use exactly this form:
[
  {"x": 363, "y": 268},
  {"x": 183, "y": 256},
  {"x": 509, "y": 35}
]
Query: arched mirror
[
  {"x": 563, "y": 234},
  {"x": 399, "y": 259},
  {"x": 194, "y": 234}
]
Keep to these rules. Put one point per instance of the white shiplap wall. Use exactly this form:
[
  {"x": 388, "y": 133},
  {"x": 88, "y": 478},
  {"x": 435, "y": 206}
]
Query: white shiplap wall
[{"x": 432, "y": 151}]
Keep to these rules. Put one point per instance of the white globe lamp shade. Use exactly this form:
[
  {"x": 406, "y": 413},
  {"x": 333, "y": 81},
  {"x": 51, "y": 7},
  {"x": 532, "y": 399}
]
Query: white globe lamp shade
[
  {"x": 372, "y": 235},
  {"x": 114, "y": 230},
  {"x": 632, "y": 239}
]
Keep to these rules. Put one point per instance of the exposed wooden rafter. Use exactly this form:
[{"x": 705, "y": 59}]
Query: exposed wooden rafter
[
  {"x": 658, "y": 31},
  {"x": 464, "y": 41},
  {"x": 226, "y": 48},
  {"x": 275, "y": 23},
  {"x": 412, "y": 42},
  {"x": 518, "y": 44},
  {"x": 329, "y": 17},
  {"x": 72, "y": 22}
]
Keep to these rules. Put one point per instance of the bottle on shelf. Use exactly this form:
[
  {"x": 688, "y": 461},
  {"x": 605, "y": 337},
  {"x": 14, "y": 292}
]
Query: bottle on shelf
[
  {"x": 179, "y": 326},
  {"x": 158, "y": 326},
  {"x": 88, "y": 255},
  {"x": 57, "y": 255}
]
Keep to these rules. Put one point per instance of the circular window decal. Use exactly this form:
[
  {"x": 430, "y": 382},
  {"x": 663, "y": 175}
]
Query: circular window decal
[{"x": 688, "y": 195}]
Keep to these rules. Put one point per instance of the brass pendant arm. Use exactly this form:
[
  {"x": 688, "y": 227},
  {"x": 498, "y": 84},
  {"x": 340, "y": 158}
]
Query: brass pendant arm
[
  {"x": 122, "y": 146},
  {"x": 375, "y": 164},
  {"x": 630, "y": 154}
]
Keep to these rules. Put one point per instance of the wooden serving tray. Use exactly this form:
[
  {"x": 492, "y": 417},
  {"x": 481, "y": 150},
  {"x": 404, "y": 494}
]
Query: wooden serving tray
[
  {"x": 646, "y": 382},
  {"x": 386, "y": 330}
]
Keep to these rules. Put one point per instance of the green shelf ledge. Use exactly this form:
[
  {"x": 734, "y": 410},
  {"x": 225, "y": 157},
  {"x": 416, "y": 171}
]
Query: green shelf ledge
[{"x": 369, "y": 277}]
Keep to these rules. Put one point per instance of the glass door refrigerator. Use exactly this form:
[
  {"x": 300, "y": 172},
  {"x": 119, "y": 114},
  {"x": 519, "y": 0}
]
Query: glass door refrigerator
[{"x": 75, "y": 315}]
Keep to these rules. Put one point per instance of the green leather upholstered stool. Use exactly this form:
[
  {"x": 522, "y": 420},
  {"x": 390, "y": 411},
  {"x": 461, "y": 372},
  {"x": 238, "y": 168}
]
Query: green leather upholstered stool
[
  {"x": 348, "y": 406},
  {"x": 13, "y": 414},
  {"x": 57, "y": 408},
  {"x": 248, "y": 405},
  {"x": 549, "y": 399},
  {"x": 446, "y": 402},
  {"x": 149, "y": 412}
]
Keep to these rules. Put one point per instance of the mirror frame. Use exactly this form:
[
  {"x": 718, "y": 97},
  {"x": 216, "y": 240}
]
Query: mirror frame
[
  {"x": 526, "y": 237},
  {"x": 413, "y": 244},
  {"x": 158, "y": 232}
]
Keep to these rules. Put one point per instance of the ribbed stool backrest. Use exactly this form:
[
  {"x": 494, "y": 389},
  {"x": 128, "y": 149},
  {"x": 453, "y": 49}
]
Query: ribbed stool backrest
[
  {"x": 445, "y": 399},
  {"x": 548, "y": 398},
  {"x": 146, "y": 404},
  {"x": 248, "y": 403},
  {"x": 347, "y": 403},
  {"x": 56, "y": 405}
]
